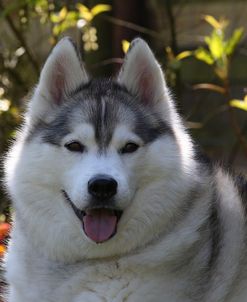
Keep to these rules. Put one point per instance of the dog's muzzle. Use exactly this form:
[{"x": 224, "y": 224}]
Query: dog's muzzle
[{"x": 100, "y": 218}]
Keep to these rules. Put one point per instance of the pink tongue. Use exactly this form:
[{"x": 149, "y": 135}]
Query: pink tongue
[{"x": 100, "y": 224}]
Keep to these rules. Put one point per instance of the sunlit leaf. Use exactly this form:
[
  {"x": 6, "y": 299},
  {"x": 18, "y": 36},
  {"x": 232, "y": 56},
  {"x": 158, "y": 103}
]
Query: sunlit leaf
[
  {"x": 234, "y": 40},
  {"x": 56, "y": 29},
  {"x": 215, "y": 23},
  {"x": 69, "y": 21},
  {"x": 125, "y": 45},
  {"x": 216, "y": 44},
  {"x": 203, "y": 55},
  {"x": 84, "y": 12},
  {"x": 63, "y": 12},
  {"x": 212, "y": 21},
  {"x": 55, "y": 18},
  {"x": 240, "y": 104},
  {"x": 82, "y": 8},
  {"x": 184, "y": 54},
  {"x": 72, "y": 16},
  {"x": 100, "y": 8}
]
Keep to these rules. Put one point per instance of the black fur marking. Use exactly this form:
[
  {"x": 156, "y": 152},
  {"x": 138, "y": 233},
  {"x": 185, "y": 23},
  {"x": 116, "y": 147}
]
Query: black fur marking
[
  {"x": 104, "y": 104},
  {"x": 215, "y": 232},
  {"x": 241, "y": 184},
  {"x": 148, "y": 125},
  {"x": 202, "y": 158}
]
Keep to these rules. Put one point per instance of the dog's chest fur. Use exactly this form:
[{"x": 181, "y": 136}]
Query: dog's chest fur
[{"x": 111, "y": 281}]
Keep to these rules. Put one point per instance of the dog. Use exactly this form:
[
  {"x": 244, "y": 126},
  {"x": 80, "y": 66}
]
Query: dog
[{"x": 112, "y": 200}]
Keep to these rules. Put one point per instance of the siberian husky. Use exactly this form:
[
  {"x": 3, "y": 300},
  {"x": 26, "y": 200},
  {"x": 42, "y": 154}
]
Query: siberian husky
[{"x": 112, "y": 201}]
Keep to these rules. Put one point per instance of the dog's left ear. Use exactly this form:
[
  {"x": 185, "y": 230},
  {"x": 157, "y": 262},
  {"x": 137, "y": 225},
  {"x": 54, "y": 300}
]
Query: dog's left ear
[
  {"x": 62, "y": 73},
  {"x": 142, "y": 75}
]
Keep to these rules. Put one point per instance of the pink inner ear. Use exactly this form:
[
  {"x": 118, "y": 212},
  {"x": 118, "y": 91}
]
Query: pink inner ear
[
  {"x": 57, "y": 87},
  {"x": 145, "y": 87}
]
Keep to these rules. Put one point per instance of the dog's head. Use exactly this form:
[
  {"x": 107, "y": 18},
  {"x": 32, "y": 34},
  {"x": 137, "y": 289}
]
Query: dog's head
[{"x": 101, "y": 165}]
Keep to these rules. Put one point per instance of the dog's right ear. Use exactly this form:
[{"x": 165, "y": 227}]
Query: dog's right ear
[{"x": 62, "y": 73}]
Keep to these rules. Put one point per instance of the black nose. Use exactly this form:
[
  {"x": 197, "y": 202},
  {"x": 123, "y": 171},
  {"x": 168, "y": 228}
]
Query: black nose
[{"x": 102, "y": 187}]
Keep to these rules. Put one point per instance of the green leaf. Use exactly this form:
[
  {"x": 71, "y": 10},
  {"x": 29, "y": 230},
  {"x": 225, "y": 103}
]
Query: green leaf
[
  {"x": 84, "y": 12},
  {"x": 61, "y": 27},
  {"x": 56, "y": 29},
  {"x": 125, "y": 45},
  {"x": 72, "y": 16},
  {"x": 216, "y": 44},
  {"x": 240, "y": 104},
  {"x": 100, "y": 8},
  {"x": 56, "y": 18},
  {"x": 212, "y": 21},
  {"x": 217, "y": 25},
  {"x": 203, "y": 55},
  {"x": 234, "y": 41},
  {"x": 82, "y": 8},
  {"x": 184, "y": 54}
]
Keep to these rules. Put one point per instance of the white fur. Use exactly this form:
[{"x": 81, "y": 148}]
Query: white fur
[{"x": 51, "y": 259}]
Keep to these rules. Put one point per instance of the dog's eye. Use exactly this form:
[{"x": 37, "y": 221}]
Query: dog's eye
[
  {"x": 129, "y": 148},
  {"x": 74, "y": 146}
]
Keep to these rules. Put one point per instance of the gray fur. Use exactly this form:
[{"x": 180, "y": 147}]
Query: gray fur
[{"x": 86, "y": 104}]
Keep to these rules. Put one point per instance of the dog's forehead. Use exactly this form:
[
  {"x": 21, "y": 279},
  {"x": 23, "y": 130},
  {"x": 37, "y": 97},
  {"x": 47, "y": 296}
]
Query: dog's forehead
[
  {"x": 104, "y": 105},
  {"x": 102, "y": 102},
  {"x": 105, "y": 111}
]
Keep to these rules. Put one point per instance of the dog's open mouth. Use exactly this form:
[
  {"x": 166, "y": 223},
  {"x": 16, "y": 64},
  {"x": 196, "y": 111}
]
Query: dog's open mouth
[{"x": 99, "y": 223}]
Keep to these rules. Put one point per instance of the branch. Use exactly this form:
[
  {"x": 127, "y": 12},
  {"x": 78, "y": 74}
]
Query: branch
[
  {"x": 173, "y": 33},
  {"x": 209, "y": 86},
  {"x": 107, "y": 62},
  {"x": 133, "y": 26}
]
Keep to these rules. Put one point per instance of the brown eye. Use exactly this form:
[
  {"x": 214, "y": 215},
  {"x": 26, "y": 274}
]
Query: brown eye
[
  {"x": 75, "y": 147},
  {"x": 129, "y": 148}
]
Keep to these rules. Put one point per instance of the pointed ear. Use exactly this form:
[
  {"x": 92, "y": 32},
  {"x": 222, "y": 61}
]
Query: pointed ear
[
  {"x": 62, "y": 73},
  {"x": 142, "y": 75}
]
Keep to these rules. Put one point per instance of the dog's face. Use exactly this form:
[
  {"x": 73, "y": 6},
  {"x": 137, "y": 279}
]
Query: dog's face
[{"x": 99, "y": 169}]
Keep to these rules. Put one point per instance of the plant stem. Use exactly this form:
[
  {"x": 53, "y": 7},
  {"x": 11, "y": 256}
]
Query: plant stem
[
  {"x": 171, "y": 19},
  {"x": 133, "y": 26}
]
